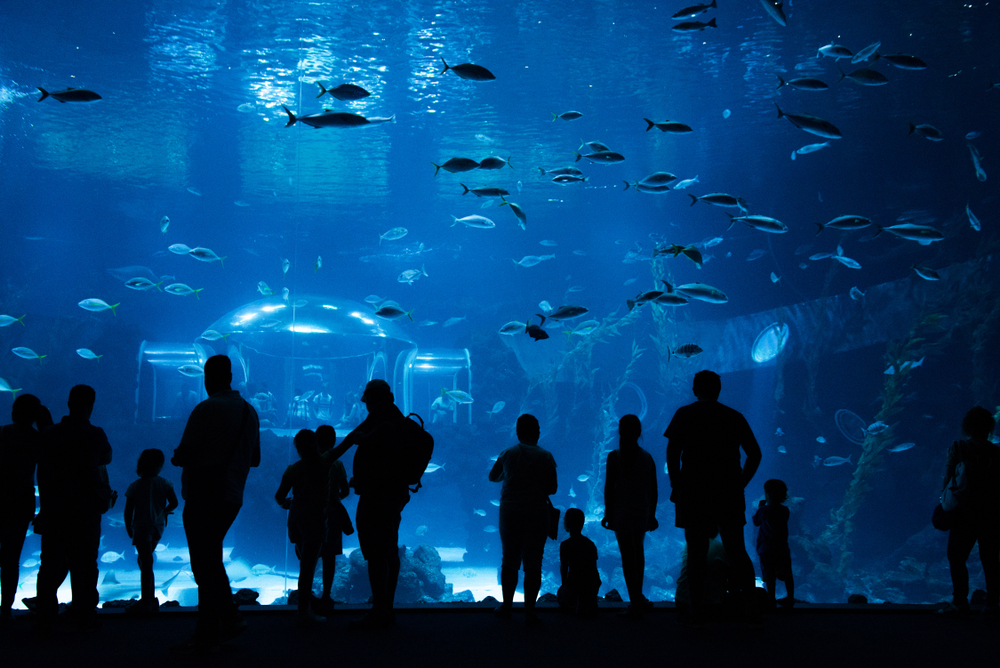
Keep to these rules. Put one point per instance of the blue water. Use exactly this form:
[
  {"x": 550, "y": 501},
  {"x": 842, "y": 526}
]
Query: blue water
[{"x": 191, "y": 127}]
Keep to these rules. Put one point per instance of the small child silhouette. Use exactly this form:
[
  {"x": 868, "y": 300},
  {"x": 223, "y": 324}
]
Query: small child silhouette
[
  {"x": 772, "y": 541},
  {"x": 338, "y": 522},
  {"x": 148, "y": 501},
  {"x": 578, "y": 566}
]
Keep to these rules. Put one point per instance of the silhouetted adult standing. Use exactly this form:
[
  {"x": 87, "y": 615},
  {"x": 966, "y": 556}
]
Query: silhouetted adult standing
[
  {"x": 630, "y": 495},
  {"x": 19, "y": 444},
  {"x": 528, "y": 473},
  {"x": 70, "y": 506},
  {"x": 977, "y": 517},
  {"x": 379, "y": 480},
  {"x": 221, "y": 442},
  {"x": 707, "y": 483}
]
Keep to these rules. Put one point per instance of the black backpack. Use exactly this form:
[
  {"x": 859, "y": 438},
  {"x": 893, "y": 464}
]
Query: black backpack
[{"x": 417, "y": 448}]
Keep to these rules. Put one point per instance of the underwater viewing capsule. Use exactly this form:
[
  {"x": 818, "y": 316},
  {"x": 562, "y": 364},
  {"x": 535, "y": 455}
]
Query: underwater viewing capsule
[{"x": 769, "y": 342}]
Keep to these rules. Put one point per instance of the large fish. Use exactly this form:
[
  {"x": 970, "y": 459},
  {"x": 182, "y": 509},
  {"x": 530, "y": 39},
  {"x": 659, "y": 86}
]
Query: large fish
[
  {"x": 922, "y": 234},
  {"x": 775, "y": 11},
  {"x": 700, "y": 291},
  {"x": 70, "y": 95},
  {"x": 606, "y": 157},
  {"x": 344, "y": 91},
  {"x": 469, "y": 71},
  {"x": 327, "y": 119},
  {"x": 812, "y": 124},
  {"x": 673, "y": 127},
  {"x": 455, "y": 165}
]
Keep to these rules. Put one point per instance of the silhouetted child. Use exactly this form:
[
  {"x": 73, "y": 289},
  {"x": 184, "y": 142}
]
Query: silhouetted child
[
  {"x": 578, "y": 566},
  {"x": 772, "y": 541},
  {"x": 338, "y": 521},
  {"x": 307, "y": 479},
  {"x": 148, "y": 501}
]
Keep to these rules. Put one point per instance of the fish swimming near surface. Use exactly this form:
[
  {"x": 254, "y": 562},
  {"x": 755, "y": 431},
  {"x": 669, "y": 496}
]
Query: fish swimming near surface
[
  {"x": 812, "y": 124},
  {"x": 70, "y": 95},
  {"x": 327, "y": 119},
  {"x": 469, "y": 71},
  {"x": 343, "y": 92},
  {"x": 837, "y": 461}
]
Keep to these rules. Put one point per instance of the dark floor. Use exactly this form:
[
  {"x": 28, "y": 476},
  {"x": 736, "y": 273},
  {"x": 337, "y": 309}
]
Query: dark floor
[{"x": 469, "y": 635}]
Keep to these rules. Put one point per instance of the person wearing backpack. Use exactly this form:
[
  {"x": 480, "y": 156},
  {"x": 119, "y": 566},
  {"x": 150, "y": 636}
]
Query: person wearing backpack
[{"x": 971, "y": 495}]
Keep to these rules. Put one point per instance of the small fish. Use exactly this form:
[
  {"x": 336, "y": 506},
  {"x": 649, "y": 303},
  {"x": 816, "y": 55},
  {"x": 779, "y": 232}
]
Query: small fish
[
  {"x": 431, "y": 468},
  {"x": 802, "y": 83},
  {"x": 194, "y": 192},
  {"x": 572, "y": 492},
  {"x": 535, "y": 331},
  {"x": 495, "y": 502},
  {"x": 241, "y": 203},
  {"x": 478, "y": 222},
  {"x": 179, "y": 249},
  {"x": 164, "y": 224},
  {"x": 817, "y": 460},
  {"x": 469, "y": 71},
  {"x": 450, "y": 322},
  {"x": 687, "y": 351},
  {"x": 112, "y": 557},
  {"x": 779, "y": 432},
  {"x": 922, "y": 234},
  {"x": 604, "y": 157},
  {"x": 27, "y": 353},
  {"x": 511, "y": 328},
  {"x": 926, "y": 131},
  {"x": 856, "y": 294},
  {"x": 286, "y": 264},
  {"x": 191, "y": 371},
  {"x": 812, "y": 124},
  {"x": 5, "y": 387},
  {"x": 834, "y": 51},
  {"x": 756, "y": 255},
  {"x": 319, "y": 263},
  {"x": 6, "y": 320},
  {"x": 583, "y": 477},
  {"x": 681, "y": 185},
  {"x": 566, "y": 179},
  {"x": 548, "y": 242},
  {"x": 212, "y": 335},
  {"x": 393, "y": 234},
  {"x": 877, "y": 427},
  {"x": 182, "y": 290},
  {"x": 820, "y": 439},
  {"x": 141, "y": 283},
  {"x": 726, "y": 113},
  {"x": 782, "y": 449},
  {"x": 97, "y": 305},
  {"x": 495, "y": 162},
  {"x": 774, "y": 277},
  {"x": 837, "y": 461},
  {"x": 980, "y": 173},
  {"x": 489, "y": 528},
  {"x": 926, "y": 273},
  {"x": 343, "y": 92},
  {"x": 865, "y": 77},
  {"x": 30, "y": 563},
  {"x": 263, "y": 289},
  {"x": 372, "y": 299},
  {"x": 261, "y": 569},
  {"x": 762, "y": 223},
  {"x": 458, "y": 396},
  {"x": 479, "y": 511},
  {"x": 87, "y": 354},
  {"x": 973, "y": 221},
  {"x": 694, "y": 26},
  {"x": 692, "y": 11},
  {"x": 567, "y": 115},
  {"x": 719, "y": 199},
  {"x": 902, "y": 61},
  {"x": 866, "y": 53},
  {"x": 901, "y": 447},
  {"x": 497, "y": 407},
  {"x": 393, "y": 313},
  {"x": 206, "y": 255},
  {"x": 670, "y": 127},
  {"x": 411, "y": 275}
]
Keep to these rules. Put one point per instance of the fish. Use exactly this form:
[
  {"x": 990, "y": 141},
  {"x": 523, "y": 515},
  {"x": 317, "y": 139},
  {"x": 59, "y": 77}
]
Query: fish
[
  {"x": 846, "y": 222},
  {"x": 681, "y": 185},
  {"x": 802, "y": 83},
  {"x": 774, "y": 277},
  {"x": 687, "y": 351},
  {"x": 779, "y": 432},
  {"x": 458, "y": 396},
  {"x": 30, "y": 563},
  {"x": 775, "y": 11},
  {"x": 645, "y": 188},
  {"x": 489, "y": 528},
  {"x": 812, "y": 124},
  {"x": 511, "y": 328},
  {"x": 318, "y": 264},
  {"x": 241, "y": 203},
  {"x": 865, "y": 53},
  {"x": 719, "y": 199},
  {"x": 453, "y": 321},
  {"x": 726, "y": 113},
  {"x": 6, "y": 320},
  {"x": 393, "y": 313},
  {"x": 194, "y": 192},
  {"x": 856, "y": 294},
  {"x": 27, "y": 353},
  {"x": 469, "y": 71},
  {"x": 206, "y": 255},
  {"x": 372, "y": 299},
  {"x": 566, "y": 179},
  {"x": 902, "y": 61},
  {"x": 567, "y": 115},
  {"x": 817, "y": 460},
  {"x": 713, "y": 242},
  {"x": 756, "y": 254},
  {"x": 922, "y": 234},
  {"x": 485, "y": 192},
  {"x": 141, "y": 283},
  {"x": 809, "y": 148},
  {"x": 70, "y": 95},
  {"x": 191, "y": 370},
  {"x": 327, "y": 119},
  {"x": 566, "y": 313},
  {"x": 497, "y": 407},
  {"x": 701, "y": 292},
  {"x": 87, "y": 354},
  {"x": 819, "y": 256},
  {"x": 561, "y": 171},
  {"x": 693, "y": 10},
  {"x": 112, "y": 557},
  {"x": 642, "y": 298},
  {"x": 343, "y": 92},
  {"x": 837, "y": 461},
  {"x": 927, "y": 131},
  {"x": 182, "y": 290},
  {"x": 5, "y": 387},
  {"x": 479, "y": 511},
  {"x": 834, "y": 51},
  {"x": 671, "y": 127},
  {"x": 179, "y": 249},
  {"x": 846, "y": 261},
  {"x": 865, "y": 77},
  {"x": 478, "y": 222},
  {"x": 762, "y": 223},
  {"x": 535, "y": 331},
  {"x": 605, "y": 157},
  {"x": 212, "y": 335},
  {"x": 431, "y": 468},
  {"x": 263, "y": 289},
  {"x": 693, "y": 26},
  {"x": 411, "y": 275},
  {"x": 531, "y": 260},
  {"x": 97, "y": 305},
  {"x": 891, "y": 371},
  {"x": 973, "y": 221},
  {"x": 585, "y": 327},
  {"x": 393, "y": 234},
  {"x": 572, "y": 492},
  {"x": 670, "y": 299},
  {"x": 926, "y": 273},
  {"x": 164, "y": 224},
  {"x": 980, "y": 173},
  {"x": 820, "y": 439},
  {"x": 286, "y": 264},
  {"x": 583, "y": 477},
  {"x": 901, "y": 447},
  {"x": 495, "y": 502},
  {"x": 495, "y": 162},
  {"x": 876, "y": 427},
  {"x": 455, "y": 165},
  {"x": 690, "y": 252},
  {"x": 782, "y": 449}
]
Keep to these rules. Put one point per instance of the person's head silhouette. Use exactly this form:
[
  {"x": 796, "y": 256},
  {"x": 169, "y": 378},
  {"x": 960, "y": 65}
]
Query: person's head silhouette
[
  {"x": 377, "y": 396},
  {"x": 81, "y": 401},
  {"x": 24, "y": 411},
  {"x": 629, "y": 429},
  {"x": 707, "y": 385},
  {"x": 218, "y": 374},
  {"x": 527, "y": 429}
]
